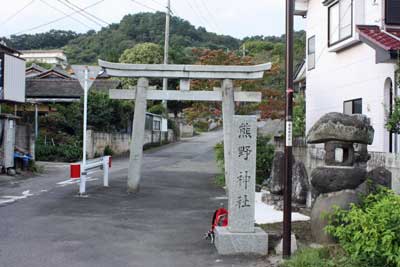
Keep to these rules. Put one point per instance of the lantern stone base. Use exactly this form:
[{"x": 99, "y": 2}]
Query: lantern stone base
[{"x": 228, "y": 243}]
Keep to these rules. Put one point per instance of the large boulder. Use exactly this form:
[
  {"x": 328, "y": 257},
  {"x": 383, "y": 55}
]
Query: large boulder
[
  {"x": 341, "y": 127},
  {"x": 275, "y": 183},
  {"x": 300, "y": 183},
  {"x": 328, "y": 179},
  {"x": 380, "y": 176},
  {"x": 377, "y": 177},
  {"x": 323, "y": 206}
]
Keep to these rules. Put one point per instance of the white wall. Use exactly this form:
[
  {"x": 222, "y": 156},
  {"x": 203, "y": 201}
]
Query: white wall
[
  {"x": 14, "y": 79},
  {"x": 348, "y": 74},
  {"x": 51, "y": 57}
]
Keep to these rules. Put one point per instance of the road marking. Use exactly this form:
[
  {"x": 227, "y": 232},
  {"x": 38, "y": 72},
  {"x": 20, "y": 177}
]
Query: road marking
[
  {"x": 6, "y": 201},
  {"x": 12, "y": 199},
  {"x": 220, "y": 198},
  {"x": 75, "y": 181}
]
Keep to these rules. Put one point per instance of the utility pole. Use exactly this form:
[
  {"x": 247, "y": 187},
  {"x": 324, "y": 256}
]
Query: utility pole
[
  {"x": 85, "y": 104},
  {"x": 287, "y": 207},
  {"x": 166, "y": 46}
]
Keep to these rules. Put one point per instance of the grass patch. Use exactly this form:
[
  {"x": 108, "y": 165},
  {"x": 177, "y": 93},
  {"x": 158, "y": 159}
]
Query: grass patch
[
  {"x": 220, "y": 180},
  {"x": 302, "y": 230},
  {"x": 332, "y": 256}
]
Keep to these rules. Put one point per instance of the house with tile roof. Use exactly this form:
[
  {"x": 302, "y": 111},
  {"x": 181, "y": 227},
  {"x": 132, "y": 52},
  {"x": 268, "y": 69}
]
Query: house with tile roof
[
  {"x": 352, "y": 61},
  {"x": 55, "y": 85}
]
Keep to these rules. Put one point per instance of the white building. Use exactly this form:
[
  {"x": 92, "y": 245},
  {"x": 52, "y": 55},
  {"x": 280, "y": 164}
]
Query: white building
[
  {"x": 56, "y": 57},
  {"x": 352, "y": 54}
]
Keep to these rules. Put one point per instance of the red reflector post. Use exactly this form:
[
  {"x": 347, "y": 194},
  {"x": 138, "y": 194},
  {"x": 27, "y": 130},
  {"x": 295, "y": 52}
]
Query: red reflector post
[
  {"x": 75, "y": 171},
  {"x": 109, "y": 162}
]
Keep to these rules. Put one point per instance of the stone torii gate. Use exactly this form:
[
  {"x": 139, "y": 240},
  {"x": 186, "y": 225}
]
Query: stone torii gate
[{"x": 227, "y": 94}]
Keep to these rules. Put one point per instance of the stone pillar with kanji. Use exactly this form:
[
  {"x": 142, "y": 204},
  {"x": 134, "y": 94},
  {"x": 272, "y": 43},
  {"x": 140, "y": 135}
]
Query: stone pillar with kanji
[{"x": 241, "y": 236}]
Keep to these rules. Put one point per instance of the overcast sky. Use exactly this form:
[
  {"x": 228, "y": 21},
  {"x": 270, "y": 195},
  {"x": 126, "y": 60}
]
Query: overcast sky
[{"x": 233, "y": 17}]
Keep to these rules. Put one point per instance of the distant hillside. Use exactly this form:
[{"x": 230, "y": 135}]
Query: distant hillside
[
  {"x": 111, "y": 41},
  {"x": 49, "y": 40}
]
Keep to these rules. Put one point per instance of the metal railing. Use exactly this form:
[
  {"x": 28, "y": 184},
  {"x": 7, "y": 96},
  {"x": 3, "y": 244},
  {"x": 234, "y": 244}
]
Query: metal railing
[{"x": 80, "y": 172}]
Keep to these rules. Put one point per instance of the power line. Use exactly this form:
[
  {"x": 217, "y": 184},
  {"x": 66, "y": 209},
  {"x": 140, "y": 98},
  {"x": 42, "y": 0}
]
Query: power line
[
  {"x": 62, "y": 12},
  {"x": 16, "y": 13},
  {"x": 158, "y": 3},
  {"x": 145, "y": 6},
  {"x": 80, "y": 13},
  {"x": 211, "y": 15},
  {"x": 197, "y": 13},
  {"x": 86, "y": 12},
  {"x": 57, "y": 20}
]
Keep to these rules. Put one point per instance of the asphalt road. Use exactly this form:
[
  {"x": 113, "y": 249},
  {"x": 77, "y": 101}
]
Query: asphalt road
[{"x": 44, "y": 223}]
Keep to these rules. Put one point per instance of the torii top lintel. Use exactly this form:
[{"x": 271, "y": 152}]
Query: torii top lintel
[{"x": 185, "y": 71}]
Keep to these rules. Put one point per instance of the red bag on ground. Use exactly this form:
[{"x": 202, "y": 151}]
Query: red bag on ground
[{"x": 220, "y": 218}]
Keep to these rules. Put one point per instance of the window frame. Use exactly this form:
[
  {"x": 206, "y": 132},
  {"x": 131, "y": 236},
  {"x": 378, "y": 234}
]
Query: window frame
[
  {"x": 353, "y": 105},
  {"x": 313, "y": 53},
  {"x": 329, "y": 23},
  {"x": 387, "y": 11}
]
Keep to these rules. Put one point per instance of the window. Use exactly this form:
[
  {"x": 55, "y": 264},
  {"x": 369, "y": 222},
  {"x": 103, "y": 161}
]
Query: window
[
  {"x": 392, "y": 12},
  {"x": 311, "y": 53},
  {"x": 340, "y": 24},
  {"x": 352, "y": 106},
  {"x": 156, "y": 125}
]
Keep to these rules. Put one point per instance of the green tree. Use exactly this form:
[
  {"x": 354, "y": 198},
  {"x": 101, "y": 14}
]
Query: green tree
[
  {"x": 145, "y": 53},
  {"x": 41, "y": 64}
]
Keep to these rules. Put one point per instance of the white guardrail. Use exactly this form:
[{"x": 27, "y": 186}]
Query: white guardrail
[{"x": 79, "y": 172}]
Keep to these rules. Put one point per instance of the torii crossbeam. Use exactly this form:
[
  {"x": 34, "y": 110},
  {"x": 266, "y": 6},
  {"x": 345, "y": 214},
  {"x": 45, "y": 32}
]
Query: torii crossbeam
[{"x": 228, "y": 95}]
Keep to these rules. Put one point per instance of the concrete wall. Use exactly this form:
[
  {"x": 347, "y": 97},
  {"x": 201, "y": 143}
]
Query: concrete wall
[
  {"x": 313, "y": 156},
  {"x": 25, "y": 139},
  {"x": 119, "y": 143},
  {"x": 186, "y": 130},
  {"x": 349, "y": 73}
]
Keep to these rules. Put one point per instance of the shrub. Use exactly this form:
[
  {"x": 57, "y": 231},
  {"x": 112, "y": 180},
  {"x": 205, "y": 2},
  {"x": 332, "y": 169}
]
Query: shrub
[
  {"x": 173, "y": 125},
  {"x": 158, "y": 109},
  {"x": 219, "y": 155},
  {"x": 370, "y": 233},
  {"x": 265, "y": 156},
  {"x": 58, "y": 152},
  {"x": 108, "y": 151},
  {"x": 201, "y": 126},
  {"x": 299, "y": 116}
]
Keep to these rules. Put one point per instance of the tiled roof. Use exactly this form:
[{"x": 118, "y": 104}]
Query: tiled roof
[
  {"x": 63, "y": 88},
  {"x": 389, "y": 40},
  {"x": 36, "y": 67},
  {"x": 5, "y": 48},
  {"x": 55, "y": 72}
]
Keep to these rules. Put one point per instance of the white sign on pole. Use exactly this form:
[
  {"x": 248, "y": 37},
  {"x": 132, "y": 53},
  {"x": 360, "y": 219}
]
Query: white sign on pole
[
  {"x": 93, "y": 72},
  {"x": 86, "y": 76}
]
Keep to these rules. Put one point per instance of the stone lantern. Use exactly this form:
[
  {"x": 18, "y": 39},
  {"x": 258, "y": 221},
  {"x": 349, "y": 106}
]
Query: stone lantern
[{"x": 345, "y": 138}]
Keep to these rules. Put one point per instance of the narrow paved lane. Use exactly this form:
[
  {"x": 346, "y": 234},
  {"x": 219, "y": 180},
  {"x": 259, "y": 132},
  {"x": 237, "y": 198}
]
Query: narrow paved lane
[{"x": 163, "y": 225}]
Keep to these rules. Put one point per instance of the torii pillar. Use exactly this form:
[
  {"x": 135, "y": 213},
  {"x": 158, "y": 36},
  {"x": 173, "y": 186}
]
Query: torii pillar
[{"x": 185, "y": 73}]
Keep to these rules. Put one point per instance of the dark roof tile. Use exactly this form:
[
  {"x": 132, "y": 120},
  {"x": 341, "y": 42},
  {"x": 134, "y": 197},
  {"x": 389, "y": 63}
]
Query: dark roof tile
[
  {"x": 63, "y": 88},
  {"x": 386, "y": 40}
]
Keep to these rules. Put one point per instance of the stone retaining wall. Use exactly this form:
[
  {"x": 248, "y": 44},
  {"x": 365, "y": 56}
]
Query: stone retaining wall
[{"x": 120, "y": 142}]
